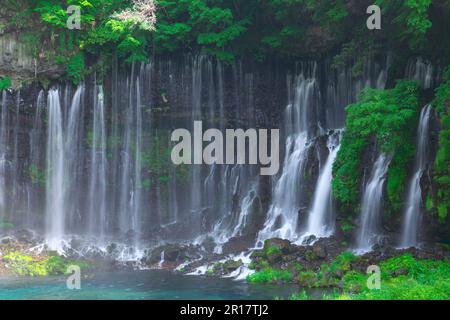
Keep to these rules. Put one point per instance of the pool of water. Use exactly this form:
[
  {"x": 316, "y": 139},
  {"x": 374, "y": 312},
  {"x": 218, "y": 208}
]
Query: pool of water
[{"x": 140, "y": 285}]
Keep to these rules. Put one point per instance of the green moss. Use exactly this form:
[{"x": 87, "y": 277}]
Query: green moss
[
  {"x": 307, "y": 278},
  {"x": 346, "y": 226},
  {"x": 38, "y": 176},
  {"x": 272, "y": 250},
  {"x": 6, "y": 225}
]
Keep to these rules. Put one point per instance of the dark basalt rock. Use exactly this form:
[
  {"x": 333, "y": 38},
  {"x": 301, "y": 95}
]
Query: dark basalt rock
[
  {"x": 320, "y": 250},
  {"x": 283, "y": 245},
  {"x": 238, "y": 244}
]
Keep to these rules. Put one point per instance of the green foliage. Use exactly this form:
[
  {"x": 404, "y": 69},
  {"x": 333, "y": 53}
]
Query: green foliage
[
  {"x": 402, "y": 278},
  {"x": 5, "y": 83},
  {"x": 156, "y": 162},
  {"x": 273, "y": 250},
  {"x": 270, "y": 276},
  {"x": 346, "y": 226},
  {"x": 25, "y": 265},
  {"x": 288, "y": 28},
  {"x": 410, "y": 18},
  {"x": 390, "y": 117},
  {"x": 442, "y": 163},
  {"x": 75, "y": 68},
  {"x": 38, "y": 176},
  {"x": 195, "y": 22},
  {"x": 6, "y": 225}
]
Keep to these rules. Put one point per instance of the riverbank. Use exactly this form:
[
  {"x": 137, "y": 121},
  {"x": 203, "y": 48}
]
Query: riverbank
[
  {"x": 323, "y": 269},
  {"x": 383, "y": 274}
]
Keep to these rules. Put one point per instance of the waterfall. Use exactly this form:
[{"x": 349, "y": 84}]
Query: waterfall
[
  {"x": 369, "y": 230},
  {"x": 97, "y": 189},
  {"x": 3, "y": 153},
  {"x": 55, "y": 211},
  {"x": 16, "y": 205},
  {"x": 74, "y": 159},
  {"x": 124, "y": 210},
  {"x": 196, "y": 170},
  {"x": 320, "y": 220},
  {"x": 107, "y": 167},
  {"x": 410, "y": 230},
  {"x": 137, "y": 160},
  {"x": 283, "y": 214},
  {"x": 35, "y": 158},
  {"x": 422, "y": 72}
]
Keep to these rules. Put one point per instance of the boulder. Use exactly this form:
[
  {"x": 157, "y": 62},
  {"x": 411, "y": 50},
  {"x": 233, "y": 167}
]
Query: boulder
[
  {"x": 24, "y": 235},
  {"x": 283, "y": 245},
  {"x": 7, "y": 240},
  {"x": 319, "y": 250},
  {"x": 231, "y": 265},
  {"x": 171, "y": 253},
  {"x": 238, "y": 244}
]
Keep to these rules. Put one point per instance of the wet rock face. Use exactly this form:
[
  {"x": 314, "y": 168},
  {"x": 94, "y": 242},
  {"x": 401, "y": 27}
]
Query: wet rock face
[
  {"x": 255, "y": 219},
  {"x": 284, "y": 246},
  {"x": 227, "y": 267},
  {"x": 171, "y": 255},
  {"x": 238, "y": 244},
  {"x": 17, "y": 61}
]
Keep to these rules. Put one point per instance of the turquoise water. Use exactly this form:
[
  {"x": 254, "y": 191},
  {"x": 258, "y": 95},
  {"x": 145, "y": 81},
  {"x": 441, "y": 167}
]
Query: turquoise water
[{"x": 140, "y": 285}]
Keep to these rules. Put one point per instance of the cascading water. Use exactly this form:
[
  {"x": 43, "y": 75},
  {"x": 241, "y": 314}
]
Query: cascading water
[
  {"x": 36, "y": 141},
  {"x": 410, "y": 230},
  {"x": 421, "y": 71},
  {"x": 320, "y": 220},
  {"x": 369, "y": 230},
  {"x": 107, "y": 168},
  {"x": 3, "y": 152},
  {"x": 283, "y": 214},
  {"x": 55, "y": 211},
  {"x": 97, "y": 189}
]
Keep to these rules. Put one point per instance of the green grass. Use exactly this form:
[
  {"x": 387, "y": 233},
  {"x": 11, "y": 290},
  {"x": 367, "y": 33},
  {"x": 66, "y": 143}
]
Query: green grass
[{"x": 270, "y": 276}]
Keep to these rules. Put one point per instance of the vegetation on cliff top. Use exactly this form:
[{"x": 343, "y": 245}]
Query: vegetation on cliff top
[{"x": 255, "y": 28}]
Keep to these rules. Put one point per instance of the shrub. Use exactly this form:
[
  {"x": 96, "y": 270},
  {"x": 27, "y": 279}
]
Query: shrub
[
  {"x": 390, "y": 117},
  {"x": 269, "y": 276},
  {"x": 5, "y": 83}
]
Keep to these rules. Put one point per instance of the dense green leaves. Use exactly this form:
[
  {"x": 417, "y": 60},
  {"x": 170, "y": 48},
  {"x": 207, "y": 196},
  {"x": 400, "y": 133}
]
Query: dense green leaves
[
  {"x": 5, "y": 83},
  {"x": 389, "y": 118},
  {"x": 442, "y": 163},
  {"x": 227, "y": 29}
]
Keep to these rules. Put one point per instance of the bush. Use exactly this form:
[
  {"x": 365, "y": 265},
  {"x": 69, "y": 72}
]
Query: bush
[
  {"x": 269, "y": 276},
  {"x": 389, "y": 116},
  {"x": 5, "y": 83},
  {"x": 442, "y": 163}
]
